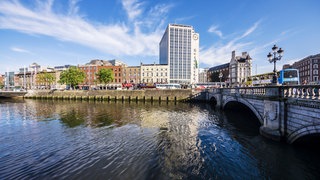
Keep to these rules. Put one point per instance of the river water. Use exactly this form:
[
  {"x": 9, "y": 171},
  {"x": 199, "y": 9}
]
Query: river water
[{"x": 46, "y": 139}]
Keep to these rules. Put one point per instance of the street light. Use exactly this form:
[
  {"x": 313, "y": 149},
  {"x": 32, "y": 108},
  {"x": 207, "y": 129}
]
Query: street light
[
  {"x": 277, "y": 55},
  {"x": 220, "y": 76}
]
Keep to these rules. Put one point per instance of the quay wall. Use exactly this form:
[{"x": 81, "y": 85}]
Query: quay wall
[{"x": 133, "y": 95}]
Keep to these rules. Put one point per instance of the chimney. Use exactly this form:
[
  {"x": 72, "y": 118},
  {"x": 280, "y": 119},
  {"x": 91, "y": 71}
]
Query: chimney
[
  {"x": 244, "y": 54},
  {"x": 233, "y": 56}
]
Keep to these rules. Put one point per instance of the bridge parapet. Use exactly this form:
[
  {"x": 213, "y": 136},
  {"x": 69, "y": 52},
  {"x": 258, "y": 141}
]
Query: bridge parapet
[
  {"x": 242, "y": 90},
  {"x": 298, "y": 91},
  {"x": 303, "y": 92}
]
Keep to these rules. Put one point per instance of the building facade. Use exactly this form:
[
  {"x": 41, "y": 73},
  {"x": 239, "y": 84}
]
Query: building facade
[
  {"x": 179, "y": 49},
  {"x": 309, "y": 68},
  {"x": 93, "y": 67},
  {"x": 239, "y": 69},
  {"x": 29, "y": 77},
  {"x": 213, "y": 73},
  {"x": 154, "y": 73},
  {"x": 203, "y": 75},
  {"x": 131, "y": 74}
]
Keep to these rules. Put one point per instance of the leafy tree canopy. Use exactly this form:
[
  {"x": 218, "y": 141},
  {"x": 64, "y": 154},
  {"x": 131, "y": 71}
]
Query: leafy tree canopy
[
  {"x": 45, "y": 78},
  {"x": 105, "y": 76},
  {"x": 73, "y": 76}
]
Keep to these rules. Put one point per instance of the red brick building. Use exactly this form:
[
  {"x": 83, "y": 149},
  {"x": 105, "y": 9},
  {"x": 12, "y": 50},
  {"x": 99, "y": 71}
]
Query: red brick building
[
  {"x": 308, "y": 69},
  {"x": 92, "y": 68}
]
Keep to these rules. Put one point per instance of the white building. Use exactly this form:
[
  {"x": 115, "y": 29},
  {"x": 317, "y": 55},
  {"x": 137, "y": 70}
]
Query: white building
[
  {"x": 239, "y": 69},
  {"x": 154, "y": 73},
  {"x": 179, "y": 49},
  {"x": 203, "y": 75}
]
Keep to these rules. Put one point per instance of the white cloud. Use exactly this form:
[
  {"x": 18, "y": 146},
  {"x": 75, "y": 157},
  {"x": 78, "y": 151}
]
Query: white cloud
[
  {"x": 115, "y": 39},
  {"x": 220, "y": 53},
  {"x": 20, "y": 50},
  {"x": 214, "y": 29},
  {"x": 132, "y": 7},
  {"x": 250, "y": 30}
]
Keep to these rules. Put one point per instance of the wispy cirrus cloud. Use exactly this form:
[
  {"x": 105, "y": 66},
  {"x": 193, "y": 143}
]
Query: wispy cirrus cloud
[
  {"x": 214, "y": 29},
  {"x": 122, "y": 38},
  {"x": 20, "y": 50},
  {"x": 250, "y": 30},
  {"x": 132, "y": 7},
  {"x": 220, "y": 52}
]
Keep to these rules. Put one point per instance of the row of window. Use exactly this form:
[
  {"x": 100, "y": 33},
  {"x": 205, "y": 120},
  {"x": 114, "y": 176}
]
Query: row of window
[
  {"x": 155, "y": 69},
  {"x": 156, "y": 74},
  {"x": 315, "y": 66},
  {"x": 307, "y": 73},
  {"x": 163, "y": 80}
]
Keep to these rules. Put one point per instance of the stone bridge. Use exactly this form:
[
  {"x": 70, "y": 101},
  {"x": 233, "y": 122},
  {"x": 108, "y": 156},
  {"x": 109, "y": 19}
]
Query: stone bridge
[{"x": 285, "y": 112}]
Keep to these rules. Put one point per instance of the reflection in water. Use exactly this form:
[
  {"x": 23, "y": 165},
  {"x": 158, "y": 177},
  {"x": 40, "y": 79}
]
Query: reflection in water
[
  {"x": 72, "y": 118},
  {"x": 45, "y": 139}
]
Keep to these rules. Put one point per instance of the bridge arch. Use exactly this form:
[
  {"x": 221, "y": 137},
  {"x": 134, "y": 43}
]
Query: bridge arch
[
  {"x": 245, "y": 103},
  {"x": 213, "y": 101},
  {"x": 299, "y": 133}
]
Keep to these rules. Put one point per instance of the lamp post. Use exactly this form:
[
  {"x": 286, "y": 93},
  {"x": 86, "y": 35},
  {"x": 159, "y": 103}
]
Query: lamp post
[
  {"x": 220, "y": 76},
  {"x": 277, "y": 55}
]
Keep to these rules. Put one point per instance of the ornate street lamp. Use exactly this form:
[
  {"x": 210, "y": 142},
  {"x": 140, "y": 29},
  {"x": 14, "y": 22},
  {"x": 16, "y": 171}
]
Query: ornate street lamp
[
  {"x": 220, "y": 76},
  {"x": 277, "y": 55}
]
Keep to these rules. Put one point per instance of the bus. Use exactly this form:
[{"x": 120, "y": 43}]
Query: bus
[
  {"x": 285, "y": 77},
  {"x": 168, "y": 86},
  {"x": 289, "y": 77}
]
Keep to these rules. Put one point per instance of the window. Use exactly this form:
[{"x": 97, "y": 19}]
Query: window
[{"x": 315, "y": 72}]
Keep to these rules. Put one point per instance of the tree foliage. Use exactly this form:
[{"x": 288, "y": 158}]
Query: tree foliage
[
  {"x": 45, "y": 79},
  {"x": 73, "y": 76},
  {"x": 105, "y": 76}
]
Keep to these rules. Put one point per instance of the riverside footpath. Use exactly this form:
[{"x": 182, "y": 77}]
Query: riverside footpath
[{"x": 113, "y": 95}]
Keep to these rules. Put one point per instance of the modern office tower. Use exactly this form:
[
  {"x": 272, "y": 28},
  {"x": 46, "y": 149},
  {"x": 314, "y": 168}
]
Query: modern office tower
[{"x": 179, "y": 49}]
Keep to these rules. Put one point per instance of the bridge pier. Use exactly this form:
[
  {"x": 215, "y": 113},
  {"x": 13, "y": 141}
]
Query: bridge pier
[{"x": 271, "y": 127}]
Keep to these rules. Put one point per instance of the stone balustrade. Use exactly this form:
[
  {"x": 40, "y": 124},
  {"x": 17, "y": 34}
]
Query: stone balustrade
[
  {"x": 298, "y": 91},
  {"x": 303, "y": 92}
]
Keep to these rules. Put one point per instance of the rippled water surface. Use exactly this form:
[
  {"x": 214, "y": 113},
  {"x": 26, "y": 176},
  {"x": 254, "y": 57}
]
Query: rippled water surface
[{"x": 100, "y": 140}]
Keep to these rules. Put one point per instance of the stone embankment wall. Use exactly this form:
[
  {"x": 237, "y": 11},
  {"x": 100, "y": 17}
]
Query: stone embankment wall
[{"x": 132, "y": 95}]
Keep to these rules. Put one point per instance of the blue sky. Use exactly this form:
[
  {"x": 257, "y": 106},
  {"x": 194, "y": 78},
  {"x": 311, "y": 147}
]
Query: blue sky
[{"x": 59, "y": 32}]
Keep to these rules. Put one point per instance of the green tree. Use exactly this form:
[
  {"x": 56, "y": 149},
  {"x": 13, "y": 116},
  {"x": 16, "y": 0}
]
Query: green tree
[
  {"x": 73, "y": 76},
  {"x": 105, "y": 76},
  {"x": 46, "y": 79}
]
